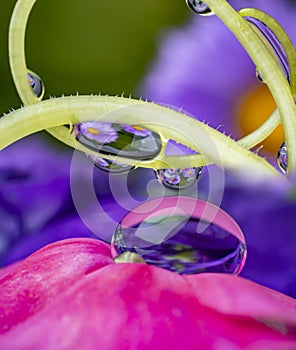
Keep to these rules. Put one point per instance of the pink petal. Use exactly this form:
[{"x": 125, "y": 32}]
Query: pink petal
[
  {"x": 234, "y": 295},
  {"x": 69, "y": 296},
  {"x": 38, "y": 280},
  {"x": 137, "y": 306}
]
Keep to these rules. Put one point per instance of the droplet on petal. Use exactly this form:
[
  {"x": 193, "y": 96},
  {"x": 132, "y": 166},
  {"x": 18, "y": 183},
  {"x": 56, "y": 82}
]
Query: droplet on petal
[
  {"x": 109, "y": 165},
  {"x": 36, "y": 84},
  {"x": 178, "y": 178},
  {"x": 128, "y": 141},
  {"x": 182, "y": 234},
  {"x": 199, "y": 7},
  {"x": 282, "y": 158},
  {"x": 273, "y": 43}
]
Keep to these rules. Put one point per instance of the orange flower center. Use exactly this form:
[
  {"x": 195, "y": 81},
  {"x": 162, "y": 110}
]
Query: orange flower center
[
  {"x": 93, "y": 131},
  {"x": 253, "y": 110},
  {"x": 137, "y": 128}
]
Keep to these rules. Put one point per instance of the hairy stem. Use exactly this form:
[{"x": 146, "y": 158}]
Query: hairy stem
[
  {"x": 214, "y": 146},
  {"x": 268, "y": 66}
]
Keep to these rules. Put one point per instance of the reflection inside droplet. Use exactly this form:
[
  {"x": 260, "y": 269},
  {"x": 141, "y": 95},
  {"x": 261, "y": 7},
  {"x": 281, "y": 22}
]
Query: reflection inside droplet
[
  {"x": 178, "y": 178},
  {"x": 128, "y": 141},
  {"x": 176, "y": 233},
  {"x": 36, "y": 84},
  {"x": 273, "y": 43},
  {"x": 110, "y": 166},
  {"x": 199, "y": 7},
  {"x": 282, "y": 157}
]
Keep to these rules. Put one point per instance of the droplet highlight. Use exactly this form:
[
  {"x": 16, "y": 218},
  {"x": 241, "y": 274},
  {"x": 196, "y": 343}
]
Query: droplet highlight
[
  {"x": 273, "y": 43},
  {"x": 178, "y": 178},
  {"x": 282, "y": 158},
  {"x": 36, "y": 84},
  {"x": 128, "y": 141},
  {"x": 199, "y": 7},
  {"x": 109, "y": 165},
  {"x": 183, "y": 235}
]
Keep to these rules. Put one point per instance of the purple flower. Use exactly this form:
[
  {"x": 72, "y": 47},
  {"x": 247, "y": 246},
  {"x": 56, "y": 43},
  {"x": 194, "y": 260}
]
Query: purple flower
[
  {"x": 36, "y": 207},
  {"x": 136, "y": 130},
  {"x": 266, "y": 215},
  {"x": 101, "y": 132},
  {"x": 202, "y": 68},
  {"x": 37, "y": 182},
  {"x": 171, "y": 176},
  {"x": 188, "y": 172}
]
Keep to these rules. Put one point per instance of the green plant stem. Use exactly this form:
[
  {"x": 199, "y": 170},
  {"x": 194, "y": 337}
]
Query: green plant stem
[
  {"x": 19, "y": 72},
  {"x": 214, "y": 146},
  {"x": 259, "y": 135},
  {"x": 268, "y": 66},
  {"x": 234, "y": 153}
]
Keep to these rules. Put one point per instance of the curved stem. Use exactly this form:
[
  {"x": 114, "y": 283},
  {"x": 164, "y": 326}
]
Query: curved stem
[
  {"x": 281, "y": 36},
  {"x": 273, "y": 75},
  {"x": 214, "y": 146},
  {"x": 17, "y": 58},
  {"x": 264, "y": 130},
  {"x": 19, "y": 71}
]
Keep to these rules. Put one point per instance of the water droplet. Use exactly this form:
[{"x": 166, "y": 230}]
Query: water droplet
[
  {"x": 36, "y": 84},
  {"x": 259, "y": 75},
  {"x": 178, "y": 178},
  {"x": 199, "y": 7},
  {"x": 128, "y": 141},
  {"x": 282, "y": 157},
  {"x": 182, "y": 234},
  {"x": 273, "y": 43},
  {"x": 109, "y": 165}
]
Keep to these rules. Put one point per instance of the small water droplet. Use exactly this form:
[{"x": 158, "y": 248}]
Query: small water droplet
[
  {"x": 273, "y": 43},
  {"x": 128, "y": 141},
  {"x": 166, "y": 232},
  {"x": 259, "y": 76},
  {"x": 109, "y": 165},
  {"x": 178, "y": 178},
  {"x": 282, "y": 158},
  {"x": 36, "y": 84},
  {"x": 199, "y": 7}
]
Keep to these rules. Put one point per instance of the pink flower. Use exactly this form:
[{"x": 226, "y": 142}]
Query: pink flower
[{"x": 70, "y": 295}]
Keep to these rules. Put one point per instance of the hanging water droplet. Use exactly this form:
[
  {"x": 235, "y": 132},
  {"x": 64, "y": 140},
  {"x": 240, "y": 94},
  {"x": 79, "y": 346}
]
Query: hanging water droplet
[
  {"x": 273, "y": 43},
  {"x": 183, "y": 235},
  {"x": 282, "y": 157},
  {"x": 259, "y": 75},
  {"x": 128, "y": 141},
  {"x": 109, "y": 165},
  {"x": 36, "y": 84},
  {"x": 199, "y": 7},
  {"x": 178, "y": 178}
]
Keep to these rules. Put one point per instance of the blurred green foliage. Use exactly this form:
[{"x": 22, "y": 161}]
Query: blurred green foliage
[{"x": 89, "y": 46}]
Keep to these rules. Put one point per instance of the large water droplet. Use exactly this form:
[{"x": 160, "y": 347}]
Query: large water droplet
[
  {"x": 183, "y": 235},
  {"x": 282, "y": 157},
  {"x": 273, "y": 43},
  {"x": 199, "y": 7},
  {"x": 178, "y": 178},
  {"x": 109, "y": 165},
  {"x": 128, "y": 141},
  {"x": 36, "y": 84}
]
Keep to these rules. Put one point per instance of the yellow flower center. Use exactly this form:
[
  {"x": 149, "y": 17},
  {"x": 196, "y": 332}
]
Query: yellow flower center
[
  {"x": 253, "y": 110},
  {"x": 137, "y": 128},
  {"x": 93, "y": 131}
]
